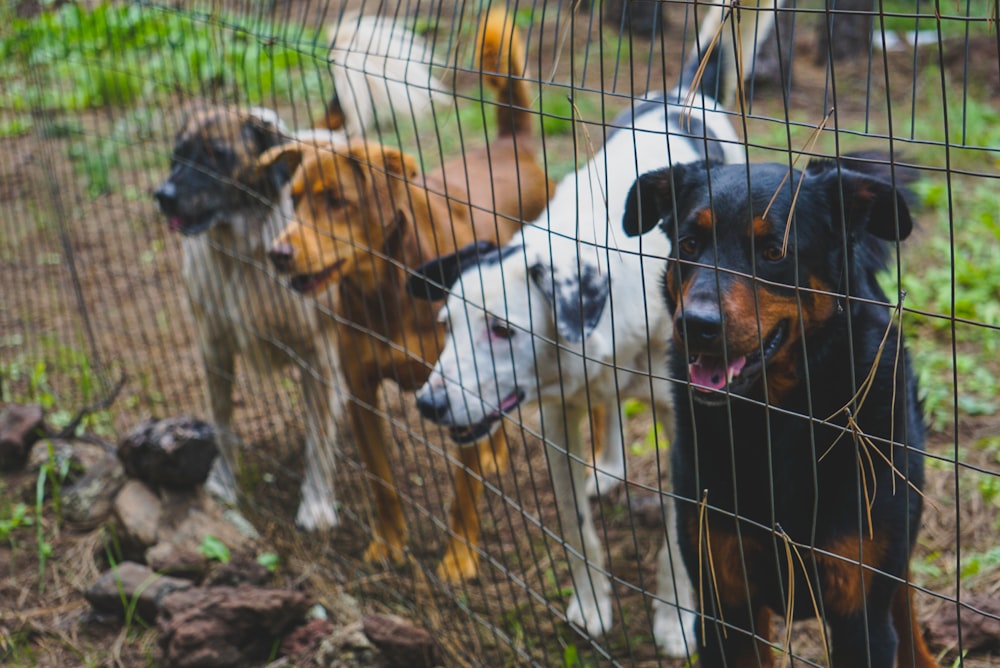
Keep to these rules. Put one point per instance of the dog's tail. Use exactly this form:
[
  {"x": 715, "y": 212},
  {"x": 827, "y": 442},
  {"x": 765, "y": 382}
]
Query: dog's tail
[
  {"x": 381, "y": 75},
  {"x": 500, "y": 57},
  {"x": 723, "y": 56}
]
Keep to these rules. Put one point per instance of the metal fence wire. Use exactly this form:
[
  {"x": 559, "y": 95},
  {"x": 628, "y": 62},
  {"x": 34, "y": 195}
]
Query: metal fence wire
[{"x": 685, "y": 404}]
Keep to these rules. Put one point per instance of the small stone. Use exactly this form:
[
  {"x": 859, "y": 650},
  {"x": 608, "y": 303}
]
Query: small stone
[
  {"x": 137, "y": 509},
  {"x": 20, "y": 428},
  {"x": 132, "y": 588},
  {"x": 89, "y": 500},
  {"x": 177, "y": 560}
]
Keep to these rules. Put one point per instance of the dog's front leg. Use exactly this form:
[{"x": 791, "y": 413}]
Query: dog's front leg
[
  {"x": 219, "y": 364},
  {"x": 674, "y": 611},
  {"x": 461, "y": 558},
  {"x": 609, "y": 449},
  {"x": 389, "y": 530},
  {"x": 590, "y": 605},
  {"x": 324, "y": 409}
]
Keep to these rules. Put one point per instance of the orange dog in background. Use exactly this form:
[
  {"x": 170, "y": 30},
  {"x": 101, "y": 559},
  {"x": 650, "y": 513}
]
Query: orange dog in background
[{"x": 365, "y": 216}]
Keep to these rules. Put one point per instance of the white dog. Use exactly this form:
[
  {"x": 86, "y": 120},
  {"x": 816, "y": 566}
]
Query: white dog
[
  {"x": 569, "y": 315},
  {"x": 229, "y": 211}
]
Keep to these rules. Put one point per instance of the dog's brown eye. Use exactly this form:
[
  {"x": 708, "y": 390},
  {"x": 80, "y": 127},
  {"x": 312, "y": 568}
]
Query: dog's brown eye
[
  {"x": 689, "y": 245},
  {"x": 501, "y": 330},
  {"x": 773, "y": 253},
  {"x": 332, "y": 201}
]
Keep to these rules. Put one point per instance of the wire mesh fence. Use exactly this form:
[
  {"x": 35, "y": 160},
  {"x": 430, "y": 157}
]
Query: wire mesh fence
[{"x": 239, "y": 209}]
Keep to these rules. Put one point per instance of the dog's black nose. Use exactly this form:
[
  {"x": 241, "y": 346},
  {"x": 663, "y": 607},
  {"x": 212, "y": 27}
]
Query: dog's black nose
[
  {"x": 281, "y": 257},
  {"x": 700, "y": 325},
  {"x": 433, "y": 405},
  {"x": 166, "y": 196}
]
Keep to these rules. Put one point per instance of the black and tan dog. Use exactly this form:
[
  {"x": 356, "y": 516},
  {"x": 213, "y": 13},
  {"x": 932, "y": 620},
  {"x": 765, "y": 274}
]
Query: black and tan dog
[
  {"x": 364, "y": 218},
  {"x": 229, "y": 210},
  {"x": 798, "y": 456}
]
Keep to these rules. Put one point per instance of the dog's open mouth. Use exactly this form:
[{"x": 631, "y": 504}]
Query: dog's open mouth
[
  {"x": 474, "y": 432},
  {"x": 710, "y": 372},
  {"x": 306, "y": 283}
]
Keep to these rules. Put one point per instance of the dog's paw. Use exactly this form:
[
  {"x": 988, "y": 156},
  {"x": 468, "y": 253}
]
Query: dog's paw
[
  {"x": 604, "y": 481},
  {"x": 460, "y": 563},
  {"x": 589, "y": 612},
  {"x": 316, "y": 516},
  {"x": 673, "y": 631},
  {"x": 380, "y": 552}
]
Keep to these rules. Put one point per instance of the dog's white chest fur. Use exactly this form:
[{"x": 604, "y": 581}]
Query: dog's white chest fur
[{"x": 235, "y": 295}]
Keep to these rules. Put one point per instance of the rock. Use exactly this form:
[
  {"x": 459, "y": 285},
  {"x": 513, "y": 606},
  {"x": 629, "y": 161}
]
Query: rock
[
  {"x": 132, "y": 587},
  {"x": 349, "y": 647},
  {"x": 189, "y": 516},
  {"x": 225, "y": 626},
  {"x": 20, "y": 428},
  {"x": 980, "y": 625},
  {"x": 137, "y": 511},
  {"x": 306, "y": 638},
  {"x": 402, "y": 644},
  {"x": 89, "y": 500},
  {"x": 240, "y": 570},
  {"x": 176, "y": 452},
  {"x": 178, "y": 560}
]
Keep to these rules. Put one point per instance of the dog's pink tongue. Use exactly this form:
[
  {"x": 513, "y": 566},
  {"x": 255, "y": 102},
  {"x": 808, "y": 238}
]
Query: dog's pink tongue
[
  {"x": 176, "y": 224},
  {"x": 711, "y": 372}
]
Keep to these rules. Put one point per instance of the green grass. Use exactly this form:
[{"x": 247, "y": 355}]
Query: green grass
[
  {"x": 956, "y": 17},
  {"x": 73, "y": 59}
]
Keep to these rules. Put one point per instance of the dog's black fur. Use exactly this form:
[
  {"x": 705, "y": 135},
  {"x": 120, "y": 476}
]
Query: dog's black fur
[{"x": 763, "y": 450}]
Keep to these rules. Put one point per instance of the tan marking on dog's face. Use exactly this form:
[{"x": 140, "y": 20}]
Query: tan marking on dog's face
[
  {"x": 761, "y": 227},
  {"x": 705, "y": 219},
  {"x": 753, "y": 313}
]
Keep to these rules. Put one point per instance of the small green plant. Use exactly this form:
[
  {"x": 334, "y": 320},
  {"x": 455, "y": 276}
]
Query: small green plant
[
  {"x": 214, "y": 549},
  {"x": 17, "y": 518},
  {"x": 269, "y": 560}
]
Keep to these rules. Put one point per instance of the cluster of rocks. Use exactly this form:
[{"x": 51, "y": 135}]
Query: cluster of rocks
[{"x": 148, "y": 494}]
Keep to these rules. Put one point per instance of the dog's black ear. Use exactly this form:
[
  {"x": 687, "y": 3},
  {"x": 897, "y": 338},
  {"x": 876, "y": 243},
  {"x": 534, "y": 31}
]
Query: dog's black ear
[
  {"x": 642, "y": 206},
  {"x": 432, "y": 280},
  {"x": 656, "y": 196},
  {"x": 869, "y": 203},
  {"x": 578, "y": 297},
  {"x": 260, "y": 136}
]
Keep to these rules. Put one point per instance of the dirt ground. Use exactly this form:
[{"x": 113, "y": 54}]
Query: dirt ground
[{"x": 60, "y": 248}]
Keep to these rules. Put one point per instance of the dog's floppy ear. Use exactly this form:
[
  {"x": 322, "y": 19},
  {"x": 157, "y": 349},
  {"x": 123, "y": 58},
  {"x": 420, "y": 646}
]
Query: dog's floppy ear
[
  {"x": 387, "y": 171},
  {"x": 263, "y": 135},
  {"x": 287, "y": 156},
  {"x": 577, "y": 297},
  {"x": 432, "y": 280},
  {"x": 869, "y": 203},
  {"x": 642, "y": 206}
]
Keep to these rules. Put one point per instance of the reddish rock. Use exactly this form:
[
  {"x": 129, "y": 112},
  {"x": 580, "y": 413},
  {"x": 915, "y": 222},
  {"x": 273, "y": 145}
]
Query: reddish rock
[
  {"x": 402, "y": 644},
  {"x": 20, "y": 427},
  {"x": 306, "y": 638},
  {"x": 226, "y": 626}
]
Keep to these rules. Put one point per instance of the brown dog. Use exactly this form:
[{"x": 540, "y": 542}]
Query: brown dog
[{"x": 364, "y": 216}]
